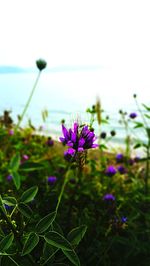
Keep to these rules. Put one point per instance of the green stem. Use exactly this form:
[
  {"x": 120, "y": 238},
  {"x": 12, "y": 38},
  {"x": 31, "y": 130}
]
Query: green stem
[
  {"x": 147, "y": 168},
  {"x": 140, "y": 111},
  {"x": 61, "y": 193},
  {"x": 28, "y": 102},
  {"x": 13, "y": 260},
  {"x": 50, "y": 256}
]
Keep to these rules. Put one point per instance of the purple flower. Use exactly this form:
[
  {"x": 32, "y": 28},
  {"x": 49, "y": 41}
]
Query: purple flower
[
  {"x": 9, "y": 177},
  {"x": 119, "y": 158},
  {"x": 25, "y": 157},
  {"x": 69, "y": 154},
  {"x": 110, "y": 171},
  {"x": 108, "y": 197},
  {"x": 50, "y": 142},
  {"x": 11, "y": 132},
  {"x": 124, "y": 219},
  {"x": 121, "y": 169},
  {"x": 78, "y": 139},
  {"x": 131, "y": 161},
  {"x": 133, "y": 115},
  {"x": 51, "y": 180},
  {"x": 7, "y": 207}
]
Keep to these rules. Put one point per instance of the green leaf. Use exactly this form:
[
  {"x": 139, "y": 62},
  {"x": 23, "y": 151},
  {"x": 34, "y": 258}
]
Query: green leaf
[
  {"x": 138, "y": 125},
  {"x": 55, "y": 239},
  {"x": 29, "y": 194},
  {"x": 148, "y": 116},
  {"x": 146, "y": 107},
  {"x": 10, "y": 201},
  {"x": 137, "y": 145},
  {"x": 56, "y": 227},
  {"x": 2, "y": 206},
  {"x": 48, "y": 251},
  {"x": 16, "y": 179},
  {"x": 25, "y": 210},
  {"x": 76, "y": 234},
  {"x": 103, "y": 147},
  {"x": 45, "y": 222},
  {"x": 31, "y": 166},
  {"x": 72, "y": 256},
  {"x": 6, "y": 242},
  {"x": 15, "y": 162},
  {"x": 30, "y": 243}
]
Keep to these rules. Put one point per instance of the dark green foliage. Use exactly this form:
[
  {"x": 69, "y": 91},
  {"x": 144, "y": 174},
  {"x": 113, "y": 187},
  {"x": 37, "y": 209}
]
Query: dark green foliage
[{"x": 70, "y": 222}]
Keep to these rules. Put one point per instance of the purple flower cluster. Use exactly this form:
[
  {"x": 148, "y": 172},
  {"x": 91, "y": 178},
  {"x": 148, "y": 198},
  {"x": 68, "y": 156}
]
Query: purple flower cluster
[
  {"x": 110, "y": 171},
  {"x": 108, "y": 197},
  {"x": 50, "y": 142},
  {"x": 124, "y": 219},
  {"x": 119, "y": 158},
  {"x": 25, "y": 157},
  {"x": 77, "y": 140},
  {"x": 9, "y": 178},
  {"x": 11, "y": 132},
  {"x": 121, "y": 169},
  {"x": 51, "y": 180},
  {"x": 133, "y": 115}
]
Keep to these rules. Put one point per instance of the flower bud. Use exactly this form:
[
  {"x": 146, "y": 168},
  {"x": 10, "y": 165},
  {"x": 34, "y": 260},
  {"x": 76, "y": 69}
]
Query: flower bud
[{"x": 41, "y": 64}]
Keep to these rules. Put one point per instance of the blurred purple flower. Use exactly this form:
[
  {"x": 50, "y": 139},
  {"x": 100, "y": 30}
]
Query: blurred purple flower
[
  {"x": 133, "y": 115},
  {"x": 121, "y": 169},
  {"x": 119, "y": 158},
  {"x": 9, "y": 177},
  {"x": 50, "y": 142},
  {"x": 110, "y": 171},
  {"x": 78, "y": 140},
  {"x": 124, "y": 219},
  {"x": 11, "y": 132},
  {"x": 51, "y": 180},
  {"x": 131, "y": 161},
  {"x": 7, "y": 207},
  {"x": 108, "y": 197},
  {"x": 25, "y": 157}
]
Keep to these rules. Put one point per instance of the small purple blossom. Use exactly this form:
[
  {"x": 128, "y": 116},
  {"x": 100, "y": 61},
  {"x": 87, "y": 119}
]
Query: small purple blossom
[
  {"x": 110, "y": 171},
  {"x": 78, "y": 139},
  {"x": 108, "y": 197},
  {"x": 133, "y": 115},
  {"x": 50, "y": 142},
  {"x": 11, "y": 132},
  {"x": 25, "y": 157},
  {"x": 9, "y": 177},
  {"x": 51, "y": 180},
  {"x": 69, "y": 154},
  {"x": 119, "y": 158},
  {"x": 131, "y": 161},
  {"x": 7, "y": 207},
  {"x": 124, "y": 219},
  {"x": 121, "y": 169}
]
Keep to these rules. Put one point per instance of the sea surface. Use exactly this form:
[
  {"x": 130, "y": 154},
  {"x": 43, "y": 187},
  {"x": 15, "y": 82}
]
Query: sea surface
[{"x": 67, "y": 95}]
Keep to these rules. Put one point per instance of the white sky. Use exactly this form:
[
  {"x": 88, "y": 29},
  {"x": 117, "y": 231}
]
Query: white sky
[
  {"x": 113, "y": 34},
  {"x": 66, "y": 32}
]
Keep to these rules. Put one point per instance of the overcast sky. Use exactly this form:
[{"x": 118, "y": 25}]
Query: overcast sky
[{"x": 111, "y": 33}]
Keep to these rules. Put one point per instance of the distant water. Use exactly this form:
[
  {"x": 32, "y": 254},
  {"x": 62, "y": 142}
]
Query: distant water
[{"x": 67, "y": 95}]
